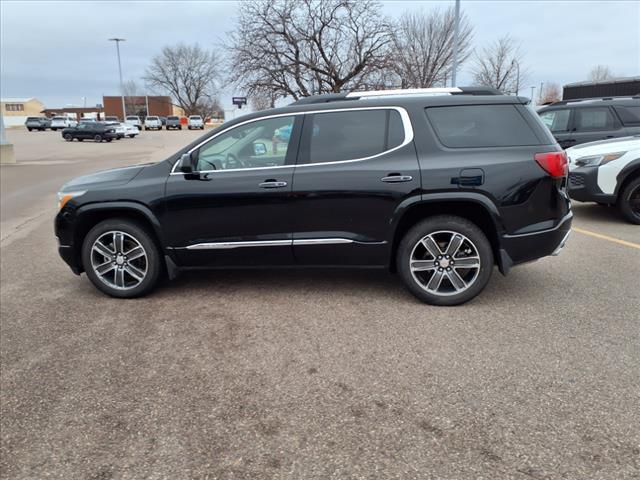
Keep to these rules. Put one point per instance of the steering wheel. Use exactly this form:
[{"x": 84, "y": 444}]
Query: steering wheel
[{"x": 232, "y": 162}]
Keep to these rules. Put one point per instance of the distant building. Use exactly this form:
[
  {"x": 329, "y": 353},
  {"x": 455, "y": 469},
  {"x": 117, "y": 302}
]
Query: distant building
[
  {"x": 158, "y": 105},
  {"x": 16, "y": 110},
  {"x": 616, "y": 87}
]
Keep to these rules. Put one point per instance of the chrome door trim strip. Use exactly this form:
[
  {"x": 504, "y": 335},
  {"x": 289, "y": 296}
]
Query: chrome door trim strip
[
  {"x": 274, "y": 243},
  {"x": 404, "y": 115},
  {"x": 228, "y": 245}
]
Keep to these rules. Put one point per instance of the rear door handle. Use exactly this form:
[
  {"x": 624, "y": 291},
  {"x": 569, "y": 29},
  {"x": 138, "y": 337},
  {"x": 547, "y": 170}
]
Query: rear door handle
[
  {"x": 272, "y": 184},
  {"x": 397, "y": 178}
]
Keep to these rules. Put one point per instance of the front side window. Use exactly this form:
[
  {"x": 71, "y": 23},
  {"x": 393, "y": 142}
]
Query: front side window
[
  {"x": 556, "y": 120},
  {"x": 263, "y": 143},
  {"x": 596, "y": 118},
  {"x": 352, "y": 135}
]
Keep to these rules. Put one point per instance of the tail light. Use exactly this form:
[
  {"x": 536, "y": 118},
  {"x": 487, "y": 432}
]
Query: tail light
[{"x": 554, "y": 163}]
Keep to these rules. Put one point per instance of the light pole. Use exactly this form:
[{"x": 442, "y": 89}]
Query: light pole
[
  {"x": 533, "y": 87},
  {"x": 456, "y": 34},
  {"x": 118, "y": 40}
]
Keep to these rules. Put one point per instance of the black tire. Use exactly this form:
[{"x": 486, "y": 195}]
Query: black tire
[
  {"x": 144, "y": 238},
  {"x": 629, "y": 201},
  {"x": 68, "y": 137},
  {"x": 54, "y": 129},
  {"x": 456, "y": 225},
  {"x": 180, "y": 127},
  {"x": 98, "y": 138},
  {"x": 131, "y": 136},
  {"x": 29, "y": 128},
  {"x": 109, "y": 140},
  {"x": 80, "y": 139}
]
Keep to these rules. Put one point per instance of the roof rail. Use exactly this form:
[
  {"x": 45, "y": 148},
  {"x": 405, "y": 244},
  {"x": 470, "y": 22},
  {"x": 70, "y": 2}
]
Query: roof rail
[
  {"x": 355, "y": 95},
  {"x": 404, "y": 91},
  {"x": 595, "y": 99}
]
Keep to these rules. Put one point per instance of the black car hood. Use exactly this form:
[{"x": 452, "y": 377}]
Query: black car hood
[{"x": 105, "y": 178}]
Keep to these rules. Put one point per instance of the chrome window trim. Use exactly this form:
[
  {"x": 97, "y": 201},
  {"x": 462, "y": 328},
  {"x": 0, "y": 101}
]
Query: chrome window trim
[
  {"x": 274, "y": 243},
  {"x": 404, "y": 116}
]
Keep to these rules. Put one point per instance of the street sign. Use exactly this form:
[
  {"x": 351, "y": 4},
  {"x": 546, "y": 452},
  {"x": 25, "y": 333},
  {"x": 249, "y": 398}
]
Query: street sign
[{"x": 239, "y": 101}]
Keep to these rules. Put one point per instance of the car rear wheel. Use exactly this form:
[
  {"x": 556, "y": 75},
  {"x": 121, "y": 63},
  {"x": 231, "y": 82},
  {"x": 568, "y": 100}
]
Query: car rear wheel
[
  {"x": 629, "y": 201},
  {"x": 68, "y": 137},
  {"x": 445, "y": 260},
  {"x": 121, "y": 259}
]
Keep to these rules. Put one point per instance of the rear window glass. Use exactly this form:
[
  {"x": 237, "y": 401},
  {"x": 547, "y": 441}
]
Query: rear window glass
[
  {"x": 472, "y": 126},
  {"x": 350, "y": 135},
  {"x": 172, "y": 118},
  {"x": 152, "y": 118},
  {"x": 629, "y": 115}
]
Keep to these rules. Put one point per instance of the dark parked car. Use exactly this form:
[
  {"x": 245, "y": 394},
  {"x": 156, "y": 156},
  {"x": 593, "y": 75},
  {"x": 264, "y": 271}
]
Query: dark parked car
[
  {"x": 96, "y": 131},
  {"x": 163, "y": 120},
  {"x": 37, "y": 123},
  {"x": 437, "y": 188},
  {"x": 173, "y": 122},
  {"x": 573, "y": 122}
]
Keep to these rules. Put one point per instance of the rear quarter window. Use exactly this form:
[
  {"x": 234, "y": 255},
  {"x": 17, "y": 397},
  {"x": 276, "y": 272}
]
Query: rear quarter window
[
  {"x": 474, "y": 126},
  {"x": 629, "y": 115}
]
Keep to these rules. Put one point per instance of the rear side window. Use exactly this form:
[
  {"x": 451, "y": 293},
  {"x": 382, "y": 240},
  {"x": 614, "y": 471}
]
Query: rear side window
[
  {"x": 473, "y": 126},
  {"x": 351, "y": 135},
  {"x": 594, "y": 118},
  {"x": 629, "y": 115},
  {"x": 556, "y": 120}
]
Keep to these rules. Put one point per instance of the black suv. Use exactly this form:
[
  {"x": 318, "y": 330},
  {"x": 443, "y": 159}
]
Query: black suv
[
  {"x": 96, "y": 131},
  {"x": 438, "y": 188},
  {"x": 573, "y": 122}
]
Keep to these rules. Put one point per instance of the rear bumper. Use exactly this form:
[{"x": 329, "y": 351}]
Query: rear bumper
[
  {"x": 583, "y": 186},
  {"x": 526, "y": 247}
]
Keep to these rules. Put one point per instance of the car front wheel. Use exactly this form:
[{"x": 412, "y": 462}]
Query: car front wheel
[
  {"x": 445, "y": 260},
  {"x": 98, "y": 138},
  {"x": 121, "y": 259},
  {"x": 629, "y": 202},
  {"x": 68, "y": 137}
]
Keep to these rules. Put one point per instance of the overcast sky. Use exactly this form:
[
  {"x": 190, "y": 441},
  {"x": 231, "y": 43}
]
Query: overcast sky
[{"x": 58, "y": 51}]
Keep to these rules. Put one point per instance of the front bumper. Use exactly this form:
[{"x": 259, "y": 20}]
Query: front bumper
[
  {"x": 522, "y": 248},
  {"x": 583, "y": 186}
]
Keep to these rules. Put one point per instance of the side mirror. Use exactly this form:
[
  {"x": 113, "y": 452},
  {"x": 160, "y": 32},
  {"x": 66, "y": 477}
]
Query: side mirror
[
  {"x": 259, "y": 149},
  {"x": 185, "y": 164}
]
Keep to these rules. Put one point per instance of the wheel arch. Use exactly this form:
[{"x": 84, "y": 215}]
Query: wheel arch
[
  {"x": 628, "y": 173},
  {"x": 473, "y": 207},
  {"x": 90, "y": 215}
]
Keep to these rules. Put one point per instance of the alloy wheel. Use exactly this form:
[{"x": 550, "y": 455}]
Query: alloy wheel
[
  {"x": 119, "y": 260},
  {"x": 445, "y": 263}
]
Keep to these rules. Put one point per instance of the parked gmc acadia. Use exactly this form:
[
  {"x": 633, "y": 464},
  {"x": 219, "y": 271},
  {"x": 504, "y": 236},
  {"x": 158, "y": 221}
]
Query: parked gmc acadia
[{"x": 439, "y": 185}]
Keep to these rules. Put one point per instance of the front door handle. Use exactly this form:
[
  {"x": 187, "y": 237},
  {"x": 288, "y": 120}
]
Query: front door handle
[
  {"x": 272, "y": 184},
  {"x": 396, "y": 178}
]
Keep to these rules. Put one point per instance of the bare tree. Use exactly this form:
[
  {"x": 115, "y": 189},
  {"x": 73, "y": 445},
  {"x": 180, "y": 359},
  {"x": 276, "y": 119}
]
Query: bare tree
[
  {"x": 551, "y": 92},
  {"x": 302, "y": 47},
  {"x": 188, "y": 73},
  {"x": 600, "y": 73},
  {"x": 130, "y": 91},
  {"x": 423, "y": 46},
  {"x": 500, "y": 65},
  {"x": 263, "y": 100}
]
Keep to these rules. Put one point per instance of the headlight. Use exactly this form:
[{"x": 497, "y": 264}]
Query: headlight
[
  {"x": 64, "y": 197},
  {"x": 595, "y": 160}
]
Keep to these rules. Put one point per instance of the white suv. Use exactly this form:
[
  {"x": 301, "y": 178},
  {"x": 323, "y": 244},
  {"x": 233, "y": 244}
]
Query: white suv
[
  {"x": 152, "y": 122},
  {"x": 195, "y": 121},
  {"x": 607, "y": 172},
  {"x": 133, "y": 120},
  {"x": 62, "y": 122}
]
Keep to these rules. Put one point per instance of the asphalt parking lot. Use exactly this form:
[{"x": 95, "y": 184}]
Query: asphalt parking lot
[{"x": 309, "y": 374}]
